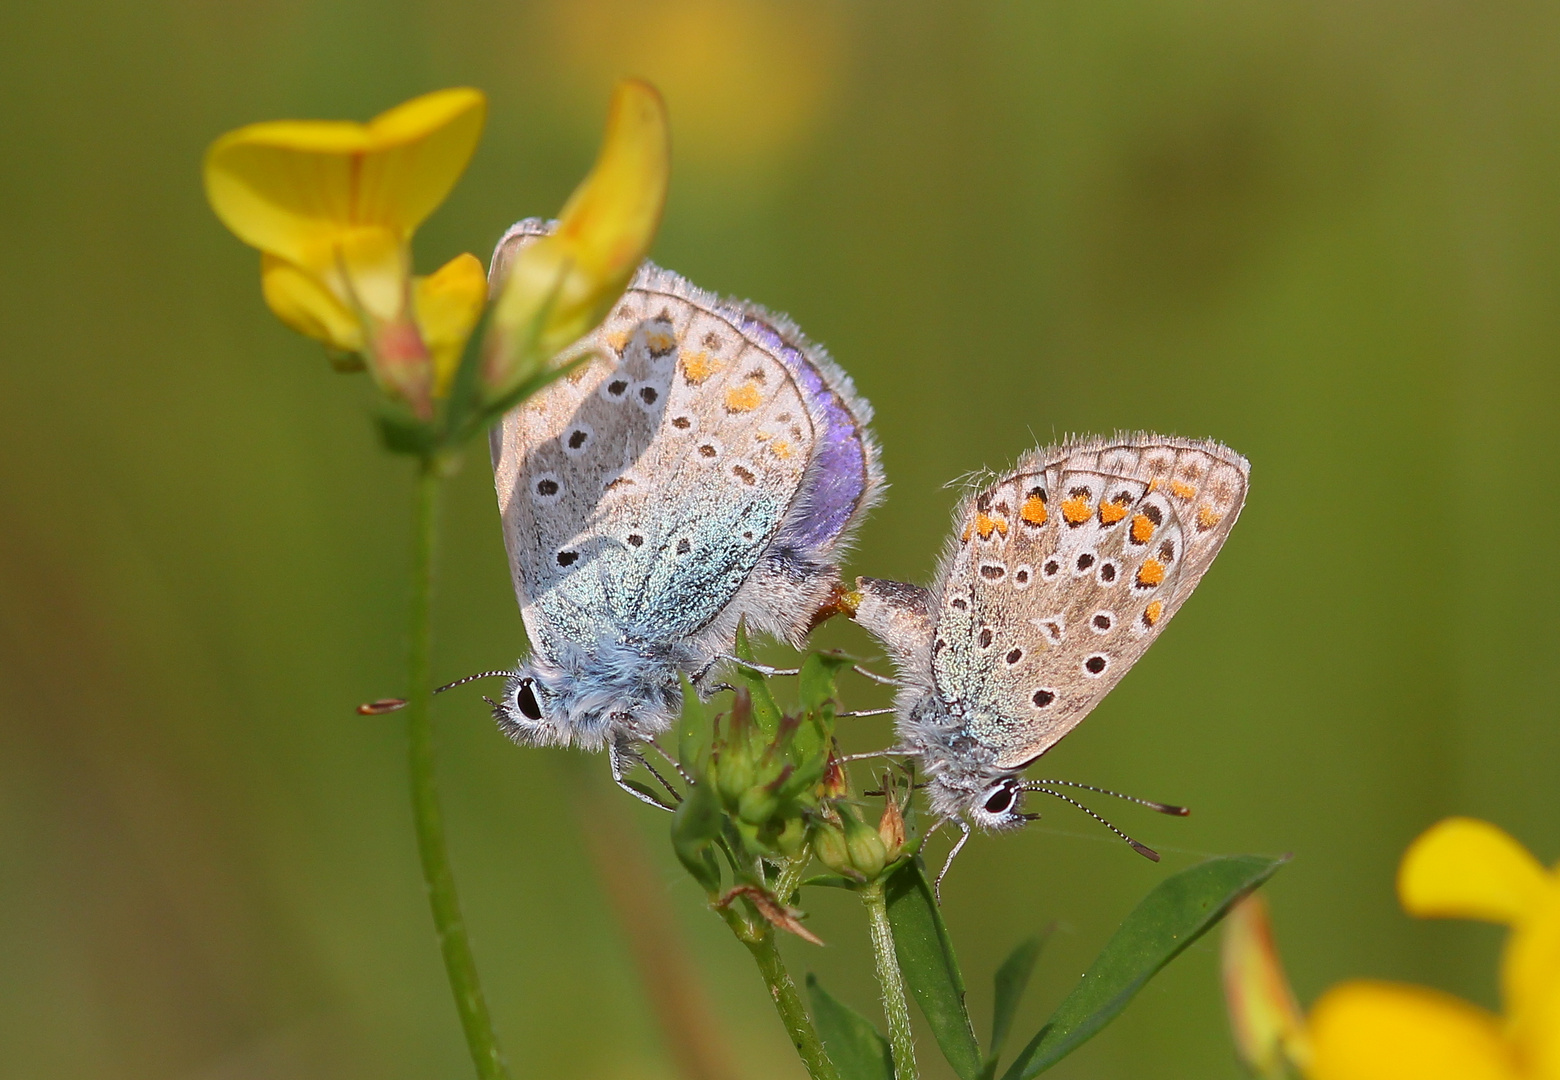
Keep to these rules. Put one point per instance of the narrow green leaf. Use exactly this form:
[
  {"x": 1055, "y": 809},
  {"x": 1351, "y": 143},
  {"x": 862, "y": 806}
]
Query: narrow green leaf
[
  {"x": 1011, "y": 979},
  {"x": 765, "y": 711},
  {"x": 849, "y": 1038},
  {"x": 816, "y": 682},
  {"x": 695, "y": 732},
  {"x": 927, "y": 961},
  {"x": 696, "y": 825},
  {"x": 1176, "y": 913}
]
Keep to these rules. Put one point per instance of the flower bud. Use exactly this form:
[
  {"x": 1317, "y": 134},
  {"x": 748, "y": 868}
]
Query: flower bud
[
  {"x": 891, "y": 827},
  {"x": 829, "y": 847},
  {"x": 867, "y": 853}
]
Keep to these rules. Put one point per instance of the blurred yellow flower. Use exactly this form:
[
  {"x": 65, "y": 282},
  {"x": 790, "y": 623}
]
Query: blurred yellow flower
[
  {"x": 332, "y": 206},
  {"x": 557, "y": 288},
  {"x": 1264, "y": 1016},
  {"x": 1460, "y": 868}
]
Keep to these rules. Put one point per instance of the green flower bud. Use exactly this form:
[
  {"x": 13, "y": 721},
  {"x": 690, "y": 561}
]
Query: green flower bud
[
  {"x": 867, "y": 852},
  {"x": 829, "y": 847}
]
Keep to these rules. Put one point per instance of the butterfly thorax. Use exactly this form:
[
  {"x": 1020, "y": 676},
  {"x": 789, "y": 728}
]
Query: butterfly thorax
[
  {"x": 961, "y": 773},
  {"x": 618, "y": 688}
]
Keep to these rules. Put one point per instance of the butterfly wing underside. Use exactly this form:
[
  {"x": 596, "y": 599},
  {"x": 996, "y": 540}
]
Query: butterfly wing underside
[
  {"x": 1064, "y": 571},
  {"x": 639, "y": 492}
]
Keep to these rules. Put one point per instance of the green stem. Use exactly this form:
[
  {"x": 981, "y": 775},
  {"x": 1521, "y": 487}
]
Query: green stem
[
  {"x": 426, "y": 815},
  {"x": 895, "y": 1006},
  {"x": 760, "y": 941}
]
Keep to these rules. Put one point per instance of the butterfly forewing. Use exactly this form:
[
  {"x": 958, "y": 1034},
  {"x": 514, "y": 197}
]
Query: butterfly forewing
[{"x": 1065, "y": 571}]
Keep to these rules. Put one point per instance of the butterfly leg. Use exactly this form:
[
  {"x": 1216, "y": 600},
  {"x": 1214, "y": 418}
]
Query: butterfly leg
[
  {"x": 892, "y": 751},
  {"x": 868, "y": 712},
  {"x": 765, "y": 669},
  {"x": 964, "y": 835},
  {"x": 621, "y": 758}
]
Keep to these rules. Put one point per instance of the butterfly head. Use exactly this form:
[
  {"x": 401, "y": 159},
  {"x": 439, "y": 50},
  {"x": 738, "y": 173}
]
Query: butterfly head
[{"x": 587, "y": 705}]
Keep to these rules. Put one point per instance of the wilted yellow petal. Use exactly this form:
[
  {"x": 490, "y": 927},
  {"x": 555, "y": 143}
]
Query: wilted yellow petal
[
  {"x": 448, "y": 304},
  {"x": 1264, "y": 1016},
  {"x": 288, "y": 187},
  {"x": 1462, "y": 868},
  {"x": 605, "y": 230},
  {"x": 303, "y": 304},
  {"x": 1391, "y": 1031}
]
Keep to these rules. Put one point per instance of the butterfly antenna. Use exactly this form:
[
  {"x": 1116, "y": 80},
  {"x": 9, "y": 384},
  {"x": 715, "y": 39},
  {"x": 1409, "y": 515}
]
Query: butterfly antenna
[
  {"x": 1142, "y": 849},
  {"x": 482, "y": 675},
  {"x": 1163, "y": 808}
]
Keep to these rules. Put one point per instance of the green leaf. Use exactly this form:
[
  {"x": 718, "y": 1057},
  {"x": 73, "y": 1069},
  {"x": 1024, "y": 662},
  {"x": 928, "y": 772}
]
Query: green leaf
[
  {"x": 1011, "y": 979},
  {"x": 849, "y": 1038},
  {"x": 695, "y": 733},
  {"x": 927, "y": 961},
  {"x": 765, "y": 711},
  {"x": 1176, "y": 913},
  {"x": 695, "y": 826},
  {"x": 816, "y": 682}
]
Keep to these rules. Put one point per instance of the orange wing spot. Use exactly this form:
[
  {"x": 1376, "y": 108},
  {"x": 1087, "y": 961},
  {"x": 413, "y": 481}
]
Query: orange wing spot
[
  {"x": 1142, "y": 528},
  {"x": 743, "y": 398},
  {"x": 988, "y": 525},
  {"x": 1076, "y": 510},
  {"x": 1152, "y": 612},
  {"x": 1182, "y": 491},
  {"x": 1110, "y": 513},
  {"x": 1002, "y": 526},
  {"x": 1155, "y": 484},
  {"x": 660, "y": 341},
  {"x": 969, "y": 530},
  {"x": 1151, "y": 573},
  {"x": 762, "y": 436},
  {"x": 1033, "y": 511},
  {"x": 780, "y": 449},
  {"x": 698, "y": 366},
  {"x": 1207, "y": 517},
  {"x": 618, "y": 341}
]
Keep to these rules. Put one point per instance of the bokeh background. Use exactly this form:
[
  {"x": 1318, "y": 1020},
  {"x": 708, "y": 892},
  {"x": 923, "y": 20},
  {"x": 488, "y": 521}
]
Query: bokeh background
[{"x": 1324, "y": 232}]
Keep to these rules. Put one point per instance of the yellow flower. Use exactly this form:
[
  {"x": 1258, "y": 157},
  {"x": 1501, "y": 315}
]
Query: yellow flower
[
  {"x": 1264, "y": 1017},
  {"x": 558, "y": 288},
  {"x": 332, "y": 206},
  {"x": 1469, "y": 869}
]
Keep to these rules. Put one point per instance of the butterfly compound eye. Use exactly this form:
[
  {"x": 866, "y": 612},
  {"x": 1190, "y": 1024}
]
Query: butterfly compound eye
[
  {"x": 1000, "y": 800},
  {"x": 525, "y": 699}
]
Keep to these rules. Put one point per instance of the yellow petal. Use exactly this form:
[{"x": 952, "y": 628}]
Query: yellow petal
[
  {"x": 1462, "y": 868},
  {"x": 1530, "y": 984},
  {"x": 304, "y": 304},
  {"x": 1390, "y": 1031},
  {"x": 575, "y": 274},
  {"x": 448, "y": 304},
  {"x": 1264, "y": 1017},
  {"x": 289, "y": 187}
]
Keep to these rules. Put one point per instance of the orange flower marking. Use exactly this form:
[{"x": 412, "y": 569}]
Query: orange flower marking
[
  {"x": 1151, "y": 573},
  {"x": 1110, "y": 513},
  {"x": 1033, "y": 511},
  {"x": 698, "y": 366},
  {"x": 1207, "y": 517},
  {"x": 1076, "y": 510},
  {"x": 1142, "y": 528},
  {"x": 1153, "y": 611},
  {"x": 743, "y": 398},
  {"x": 1182, "y": 491}
]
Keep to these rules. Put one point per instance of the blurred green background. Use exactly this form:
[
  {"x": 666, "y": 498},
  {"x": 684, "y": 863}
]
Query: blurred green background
[{"x": 1324, "y": 232}]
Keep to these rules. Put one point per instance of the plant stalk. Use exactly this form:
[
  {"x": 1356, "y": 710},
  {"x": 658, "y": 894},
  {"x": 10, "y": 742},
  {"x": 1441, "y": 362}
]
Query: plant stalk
[
  {"x": 896, "y": 1008},
  {"x": 760, "y": 941},
  {"x": 427, "y": 817}
]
